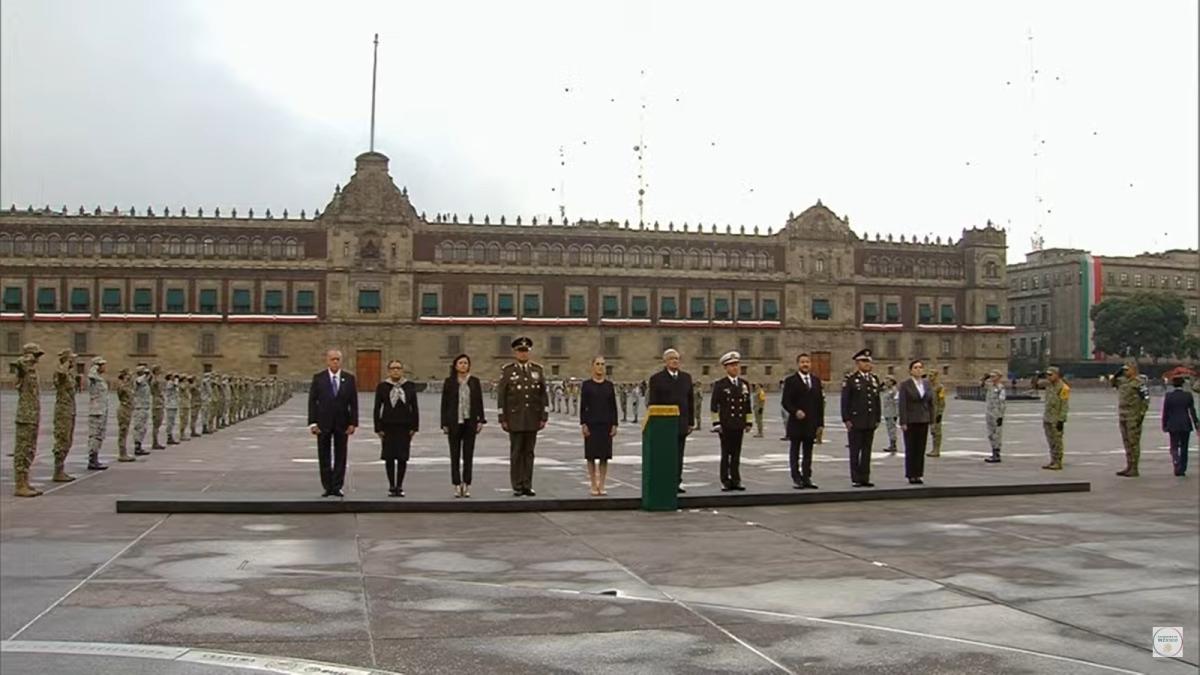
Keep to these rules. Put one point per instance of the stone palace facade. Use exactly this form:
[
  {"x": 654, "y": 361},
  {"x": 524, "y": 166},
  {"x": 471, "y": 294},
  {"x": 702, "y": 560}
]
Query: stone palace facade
[{"x": 261, "y": 294}]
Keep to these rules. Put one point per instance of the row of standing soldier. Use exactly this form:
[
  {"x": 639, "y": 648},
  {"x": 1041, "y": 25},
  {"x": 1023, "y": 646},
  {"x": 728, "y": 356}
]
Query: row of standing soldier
[{"x": 146, "y": 400}]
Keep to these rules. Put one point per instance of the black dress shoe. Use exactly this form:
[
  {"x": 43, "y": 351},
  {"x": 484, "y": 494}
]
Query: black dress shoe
[
  {"x": 726, "y": 488},
  {"x": 866, "y": 483},
  {"x": 679, "y": 490},
  {"x": 336, "y": 493},
  {"x": 916, "y": 481},
  {"x": 518, "y": 493},
  {"x": 810, "y": 485},
  {"x": 797, "y": 486},
  {"x": 739, "y": 487},
  {"x": 325, "y": 494},
  {"x": 530, "y": 493},
  {"x": 855, "y": 484}
]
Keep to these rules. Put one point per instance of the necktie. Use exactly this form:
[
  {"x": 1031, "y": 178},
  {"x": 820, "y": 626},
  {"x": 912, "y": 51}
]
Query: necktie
[
  {"x": 336, "y": 385},
  {"x": 806, "y": 382}
]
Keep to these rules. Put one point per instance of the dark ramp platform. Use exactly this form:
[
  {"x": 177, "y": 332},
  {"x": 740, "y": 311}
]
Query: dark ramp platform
[{"x": 217, "y": 502}]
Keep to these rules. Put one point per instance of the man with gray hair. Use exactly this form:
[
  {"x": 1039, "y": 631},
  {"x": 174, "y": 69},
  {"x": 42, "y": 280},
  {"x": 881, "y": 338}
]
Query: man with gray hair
[{"x": 672, "y": 386}]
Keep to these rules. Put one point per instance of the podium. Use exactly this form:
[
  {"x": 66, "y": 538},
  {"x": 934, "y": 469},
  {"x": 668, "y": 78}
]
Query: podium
[{"x": 660, "y": 458}]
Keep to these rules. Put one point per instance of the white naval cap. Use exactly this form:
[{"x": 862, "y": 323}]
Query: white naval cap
[{"x": 730, "y": 357}]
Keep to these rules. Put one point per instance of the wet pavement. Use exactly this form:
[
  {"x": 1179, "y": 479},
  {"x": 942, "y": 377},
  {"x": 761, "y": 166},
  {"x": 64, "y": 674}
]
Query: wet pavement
[{"x": 1059, "y": 583}]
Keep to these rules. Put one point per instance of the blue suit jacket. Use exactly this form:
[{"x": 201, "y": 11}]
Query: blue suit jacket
[
  {"x": 1179, "y": 411},
  {"x": 333, "y": 412}
]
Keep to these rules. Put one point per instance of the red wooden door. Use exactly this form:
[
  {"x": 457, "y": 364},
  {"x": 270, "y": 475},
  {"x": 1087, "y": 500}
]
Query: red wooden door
[{"x": 366, "y": 370}]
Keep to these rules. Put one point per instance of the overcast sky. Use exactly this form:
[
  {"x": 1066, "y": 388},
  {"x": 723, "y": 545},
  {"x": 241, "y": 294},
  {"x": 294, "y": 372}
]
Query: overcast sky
[{"x": 910, "y": 117}]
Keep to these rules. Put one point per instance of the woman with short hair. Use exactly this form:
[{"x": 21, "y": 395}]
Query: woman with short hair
[
  {"x": 397, "y": 420},
  {"x": 462, "y": 420},
  {"x": 598, "y": 423}
]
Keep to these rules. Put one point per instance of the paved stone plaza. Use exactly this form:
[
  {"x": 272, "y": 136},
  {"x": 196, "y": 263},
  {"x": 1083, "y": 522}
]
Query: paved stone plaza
[{"x": 1059, "y": 583}]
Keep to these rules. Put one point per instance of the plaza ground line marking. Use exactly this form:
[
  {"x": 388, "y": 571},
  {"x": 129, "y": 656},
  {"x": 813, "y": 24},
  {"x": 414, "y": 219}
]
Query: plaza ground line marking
[
  {"x": 362, "y": 583},
  {"x": 89, "y": 577}
]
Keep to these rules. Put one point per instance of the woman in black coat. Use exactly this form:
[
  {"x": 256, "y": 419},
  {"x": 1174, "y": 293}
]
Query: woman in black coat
[
  {"x": 462, "y": 420},
  {"x": 397, "y": 418},
  {"x": 598, "y": 422}
]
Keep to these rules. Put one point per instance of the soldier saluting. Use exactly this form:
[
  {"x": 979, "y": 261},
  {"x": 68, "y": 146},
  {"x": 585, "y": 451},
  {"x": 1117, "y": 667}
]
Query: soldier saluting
[
  {"x": 1133, "y": 400},
  {"x": 730, "y": 405},
  {"x": 860, "y": 413},
  {"x": 522, "y": 399}
]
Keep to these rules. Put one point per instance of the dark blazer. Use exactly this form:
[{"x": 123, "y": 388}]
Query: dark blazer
[
  {"x": 811, "y": 400},
  {"x": 665, "y": 390},
  {"x": 329, "y": 412},
  {"x": 913, "y": 408},
  {"x": 597, "y": 403},
  {"x": 1179, "y": 411},
  {"x": 404, "y": 415},
  {"x": 450, "y": 402},
  {"x": 730, "y": 404}
]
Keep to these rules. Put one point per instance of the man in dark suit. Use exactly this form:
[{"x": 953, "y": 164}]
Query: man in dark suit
[
  {"x": 1178, "y": 420},
  {"x": 861, "y": 414},
  {"x": 332, "y": 418},
  {"x": 730, "y": 406},
  {"x": 804, "y": 402},
  {"x": 672, "y": 386},
  {"x": 916, "y": 414}
]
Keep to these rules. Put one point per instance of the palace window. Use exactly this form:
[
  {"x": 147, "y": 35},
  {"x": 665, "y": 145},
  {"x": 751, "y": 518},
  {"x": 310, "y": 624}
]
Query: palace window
[
  {"x": 81, "y": 300},
  {"x": 947, "y": 313},
  {"x": 609, "y": 306},
  {"x": 429, "y": 303},
  {"x": 305, "y": 302},
  {"x": 821, "y": 310},
  {"x": 892, "y": 312},
  {"x": 576, "y": 305},
  {"x": 175, "y": 301},
  {"x": 479, "y": 304},
  {"x": 208, "y": 301},
  {"x": 924, "y": 313},
  {"x": 639, "y": 307},
  {"x": 667, "y": 308},
  {"x": 531, "y": 305},
  {"x": 273, "y": 302},
  {"x": 993, "y": 313},
  {"x": 110, "y": 300},
  {"x": 745, "y": 308},
  {"x": 870, "y": 312},
  {"x": 505, "y": 304},
  {"x": 143, "y": 301},
  {"x": 241, "y": 301},
  {"x": 696, "y": 308},
  {"x": 770, "y": 309},
  {"x": 47, "y": 300}
]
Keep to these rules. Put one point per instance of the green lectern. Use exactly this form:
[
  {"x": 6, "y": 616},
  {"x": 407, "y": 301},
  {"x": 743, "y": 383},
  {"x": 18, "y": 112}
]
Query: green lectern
[{"x": 660, "y": 458}]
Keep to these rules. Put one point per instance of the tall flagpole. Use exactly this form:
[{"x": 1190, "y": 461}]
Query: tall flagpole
[{"x": 374, "y": 68}]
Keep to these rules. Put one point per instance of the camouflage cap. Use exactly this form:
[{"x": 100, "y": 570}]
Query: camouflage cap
[
  {"x": 993, "y": 373},
  {"x": 1053, "y": 370},
  {"x": 67, "y": 354},
  {"x": 123, "y": 372},
  {"x": 98, "y": 361},
  {"x": 156, "y": 368},
  {"x": 32, "y": 348},
  {"x": 142, "y": 368}
]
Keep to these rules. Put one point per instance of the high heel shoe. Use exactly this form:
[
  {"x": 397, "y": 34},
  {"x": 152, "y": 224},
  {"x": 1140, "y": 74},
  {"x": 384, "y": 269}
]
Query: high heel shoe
[{"x": 466, "y": 490}]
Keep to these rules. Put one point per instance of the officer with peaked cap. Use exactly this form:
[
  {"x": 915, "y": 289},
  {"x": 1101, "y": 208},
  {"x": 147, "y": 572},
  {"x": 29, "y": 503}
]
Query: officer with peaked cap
[
  {"x": 522, "y": 399},
  {"x": 730, "y": 404},
  {"x": 860, "y": 413}
]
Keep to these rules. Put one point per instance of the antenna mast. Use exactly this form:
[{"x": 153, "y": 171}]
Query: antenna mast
[{"x": 374, "y": 69}]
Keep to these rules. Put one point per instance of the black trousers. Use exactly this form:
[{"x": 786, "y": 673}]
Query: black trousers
[
  {"x": 914, "y": 449},
  {"x": 462, "y": 452},
  {"x": 731, "y": 456},
  {"x": 801, "y": 467},
  {"x": 682, "y": 444},
  {"x": 860, "y": 454},
  {"x": 1179, "y": 451},
  {"x": 331, "y": 455},
  {"x": 520, "y": 459}
]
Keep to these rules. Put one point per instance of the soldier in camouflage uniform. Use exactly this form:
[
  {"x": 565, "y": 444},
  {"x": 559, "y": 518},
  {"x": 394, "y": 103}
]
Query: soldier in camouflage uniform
[
  {"x": 141, "y": 408},
  {"x": 156, "y": 406},
  {"x": 97, "y": 412},
  {"x": 64, "y": 413},
  {"x": 185, "y": 406},
  {"x": 522, "y": 399},
  {"x": 226, "y": 401},
  {"x": 171, "y": 405},
  {"x": 206, "y": 398},
  {"x": 1133, "y": 400},
  {"x": 29, "y": 417},
  {"x": 124, "y": 414},
  {"x": 197, "y": 400},
  {"x": 939, "y": 409},
  {"x": 1054, "y": 416},
  {"x": 995, "y": 401},
  {"x": 889, "y": 405}
]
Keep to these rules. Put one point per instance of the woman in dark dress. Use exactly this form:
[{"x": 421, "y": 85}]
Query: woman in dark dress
[
  {"x": 397, "y": 418},
  {"x": 462, "y": 420},
  {"x": 598, "y": 421}
]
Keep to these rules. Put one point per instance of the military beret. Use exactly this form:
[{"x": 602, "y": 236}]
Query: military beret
[
  {"x": 522, "y": 342},
  {"x": 863, "y": 355},
  {"x": 730, "y": 357},
  {"x": 32, "y": 348}
]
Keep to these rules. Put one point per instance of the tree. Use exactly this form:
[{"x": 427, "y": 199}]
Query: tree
[{"x": 1150, "y": 324}]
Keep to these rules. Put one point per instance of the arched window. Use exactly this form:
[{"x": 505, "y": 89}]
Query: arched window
[
  {"x": 647, "y": 257},
  {"x": 603, "y": 256},
  {"x": 444, "y": 252},
  {"x": 922, "y": 270},
  {"x": 556, "y": 254},
  {"x": 460, "y": 252},
  {"x": 870, "y": 266},
  {"x": 225, "y": 247},
  {"x": 87, "y": 245},
  {"x": 764, "y": 262},
  {"x": 541, "y": 256},
  {"x": 493, "y": 253},
  {"x": 39, "y": 245},
  {"x": 189, "y": 246},
  {"x": 525, "y": 256},
  {"x": 722, "y": 260},
  {"x": 510, "y": 253},
  {"x": 141, "y": 247},
  {"x": 735, "y": 260},
  {"x": 72, "y": 246},
  {"x": 275, "y": 247},
  {"x": 693, "y": 259},
  {"x": 706, "y": 259},
  {"x": 257, "y": 250},
  {"x": 124, "y": 246},
  {"x": 243, "y": 247},
  {"x": 20, "y": 245},
  {"x": 587, "y": 255},
  {"x": 53, "y": 246},
  {"x": 478, "y": 253},
  {"x": 6, "y": 245},
  {"x": 945, "y": 270},
  {"x": 107, "y": 246},
  {"x": 291, "y": 248},
  {"x": 631, "y": 257},
  {"x": 156, "y": 247},
  {"x": 208, "y": 247},
  {"x": 678, "y": 258},
  {"x": 572, "y": 255}
]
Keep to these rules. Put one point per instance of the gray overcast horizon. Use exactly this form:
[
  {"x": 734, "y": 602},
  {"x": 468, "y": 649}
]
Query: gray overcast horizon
[{"x": 911, "y": 118}]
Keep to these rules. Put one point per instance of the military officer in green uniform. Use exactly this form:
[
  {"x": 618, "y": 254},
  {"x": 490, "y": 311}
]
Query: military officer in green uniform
[
  {"x": 64, "y": 413},
  {"x": 1133, "y": 400},
  {"x": 29, "y": 417},
  {"x": 1054, "y": 416},
  {"x": 157, "y": 406},
  {"x": 124, "y": 414},
  {"x": 939, "y": 409},
  {"x": 522, "y": 399}
]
